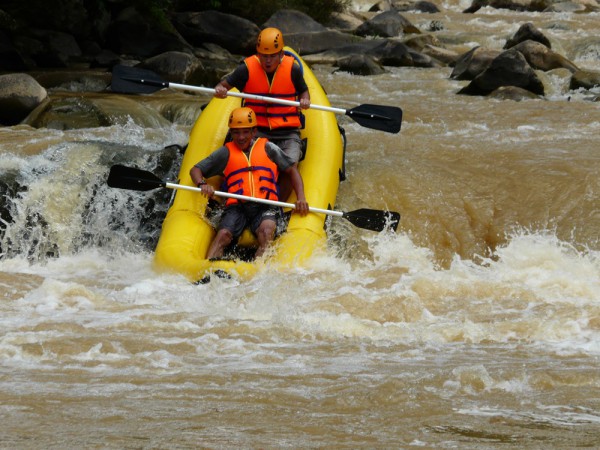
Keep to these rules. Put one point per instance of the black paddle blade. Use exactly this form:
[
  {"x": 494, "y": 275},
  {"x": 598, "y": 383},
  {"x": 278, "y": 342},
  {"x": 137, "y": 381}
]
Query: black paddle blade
[
  {"x": 124, "y": 177},
  {"x": 378, "y": 117},
  {"x": 373, "y": 219},
  {"x": 132, "y": 80}
]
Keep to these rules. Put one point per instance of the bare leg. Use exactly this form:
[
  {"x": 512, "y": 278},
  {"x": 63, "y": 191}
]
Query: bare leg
[
  {"x": 221, "y": 240},
  {"x": 265, "y": 234}
]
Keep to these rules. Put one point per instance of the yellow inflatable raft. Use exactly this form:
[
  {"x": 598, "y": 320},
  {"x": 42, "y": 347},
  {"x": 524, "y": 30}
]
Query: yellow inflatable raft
[{"x": 186, "y": 233}]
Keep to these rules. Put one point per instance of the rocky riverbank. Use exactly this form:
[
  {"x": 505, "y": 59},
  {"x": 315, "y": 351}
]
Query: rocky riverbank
[{"x": 198, "y": 48}]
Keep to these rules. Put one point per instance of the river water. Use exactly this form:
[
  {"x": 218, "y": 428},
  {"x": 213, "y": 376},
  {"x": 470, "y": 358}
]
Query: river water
[{"x": 476, "y": 325}]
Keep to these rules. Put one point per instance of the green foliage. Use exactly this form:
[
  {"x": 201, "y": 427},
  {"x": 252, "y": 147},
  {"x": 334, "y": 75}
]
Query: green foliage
[
  {"x": 258, "y": 11},
  {"x": 157, "y": 9}
]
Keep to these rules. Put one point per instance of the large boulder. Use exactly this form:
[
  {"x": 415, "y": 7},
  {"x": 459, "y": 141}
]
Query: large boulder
[
  {"x": 514, "y": 5},
  {"x": 233, "y": 33},
  {"x": 513, "y": 93},
  {"x": 398, "y": 54},
  {"x": 540, "y": 57},
  {"x": 346, "y": 22},
  {"x": 387, "y": 24},
  {"x": 527, "y": 32},
  {"x": 319, "y": 41},
  {"x": 333, "y": 55},
  {"x": 69, "y": 113},
  {"x": 53, "y": 48},
  {"x": 386, "y": 52},
  {"x": 175, "y": 67},
  {"x": 585, "y": 79},
  {"x": 443, "y": 55},
  {"x": 510, "y": 68},
  {"x": 134, "y": 34},
  {"x": 293, "y": 21},
  {"x": 473, "y": 62},
  {"x": 360, "y": 65},
  {"x": 305, "y": 35},
  {"x": 179, "y": 67},
  {"x": 19, "y": 95},
  {"x": 52, "y": 34},
  {"x": 11, "y": 60},
  {"x": 419, "y": 5}
]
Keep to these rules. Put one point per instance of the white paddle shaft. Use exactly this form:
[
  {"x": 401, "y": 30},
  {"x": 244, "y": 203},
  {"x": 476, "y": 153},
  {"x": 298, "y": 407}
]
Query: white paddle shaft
[
  {"x": 254, "y": 199},
  {"x": 262, "y": 98}
]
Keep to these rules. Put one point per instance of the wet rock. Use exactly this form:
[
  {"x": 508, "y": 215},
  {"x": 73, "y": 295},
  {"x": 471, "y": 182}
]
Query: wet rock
[
  {"x": 393, "y": 53},
  {"x": 510, "y": 68},
  {"x": 472, "y": 63},
  {"x": 236, "y": 34},
  {"x": 420, "y": 41},
  {"x": 387, "y": 24},
  {"x": 383, "y": 51},
  {"x": 318, "y": 41},
  {"x": 11, "y": 60},
  {"x": 175, "y": 67},
  {"x": 540, "y": 57},
  {"x": 66, "y": 112},
  {"x": 441, "y": 54},
  {"x": 73, "y": 80},
  {"x": 512, "y": 93},
  {"x": 345, "y": 22},
  {"x": 382, "y": 5},
  {"x": 293, "y": 21},
  {"x": 527, "y": 32},
  {"x": 305, "y": 35},
  {"x": 585, "y": 79},
  {"x": 58, "y": 49},
  {"x": 134, "y": 34},
  {"x": 20, "y": 94},
  {"x": 105, "y": 58},
  {"x": 179, "y": 67},
  {"x": 360, "y": 65},
  {"x": 421, "y": 6},
  {"x": 332, "y": 55},
  {"x": 566, "y": 7},
  {"x": 514, "y": 5}
]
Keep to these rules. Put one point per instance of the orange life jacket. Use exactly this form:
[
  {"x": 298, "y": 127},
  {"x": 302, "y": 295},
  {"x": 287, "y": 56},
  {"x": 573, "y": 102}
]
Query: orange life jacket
[
  {"x": 254, "y": 175},
  {"x": 272, "y": 115}
]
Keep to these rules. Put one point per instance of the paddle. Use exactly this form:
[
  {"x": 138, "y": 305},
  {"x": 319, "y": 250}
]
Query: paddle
[
  {"x": 124, "y": 177},
  {"x": 132, "y": 80}
]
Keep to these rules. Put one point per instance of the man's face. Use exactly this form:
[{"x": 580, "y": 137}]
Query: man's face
[
  {"x": 243, "y": 137},
  {"x": 269, "y": 63}
]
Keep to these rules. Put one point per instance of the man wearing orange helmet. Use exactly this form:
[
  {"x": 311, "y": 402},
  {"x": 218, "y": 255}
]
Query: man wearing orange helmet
[
  {"x": 249, "y": 166},
  {"x": 279, "y": 123}
]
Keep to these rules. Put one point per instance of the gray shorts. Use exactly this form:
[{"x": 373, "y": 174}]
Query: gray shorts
[
  {"x": 239, "y": 216},
  {"x": 289, "y": 142}
]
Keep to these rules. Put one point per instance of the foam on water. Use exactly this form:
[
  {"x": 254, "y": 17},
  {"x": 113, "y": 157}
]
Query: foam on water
[{"x": 535, "y": 291}]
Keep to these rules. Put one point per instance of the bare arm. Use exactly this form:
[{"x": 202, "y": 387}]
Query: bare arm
[
  {"x": 298, "y": 185},
  {"x": 304, "y": 99},
  {"x": 221, "y": 89},
  {"x": 198, "y": 180}
]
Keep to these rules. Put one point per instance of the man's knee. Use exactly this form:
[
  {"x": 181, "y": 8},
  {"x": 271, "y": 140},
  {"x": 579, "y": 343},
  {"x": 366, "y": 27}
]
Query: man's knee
[
  {"x": 266, "y": 230},
  {"x": 224, "y": 236}
]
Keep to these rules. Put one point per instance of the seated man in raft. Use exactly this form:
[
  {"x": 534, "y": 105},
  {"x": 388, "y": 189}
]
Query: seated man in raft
[{"x": 250, "y": 166}]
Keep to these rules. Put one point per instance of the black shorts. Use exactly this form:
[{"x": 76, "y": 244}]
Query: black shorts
[{"x": 239, "y": 216}]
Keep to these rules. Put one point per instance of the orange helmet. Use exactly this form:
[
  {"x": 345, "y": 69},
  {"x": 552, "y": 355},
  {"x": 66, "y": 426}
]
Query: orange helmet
[
  {"x": 242, "y": 118},
  {"x": 270, "y": 41}
]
